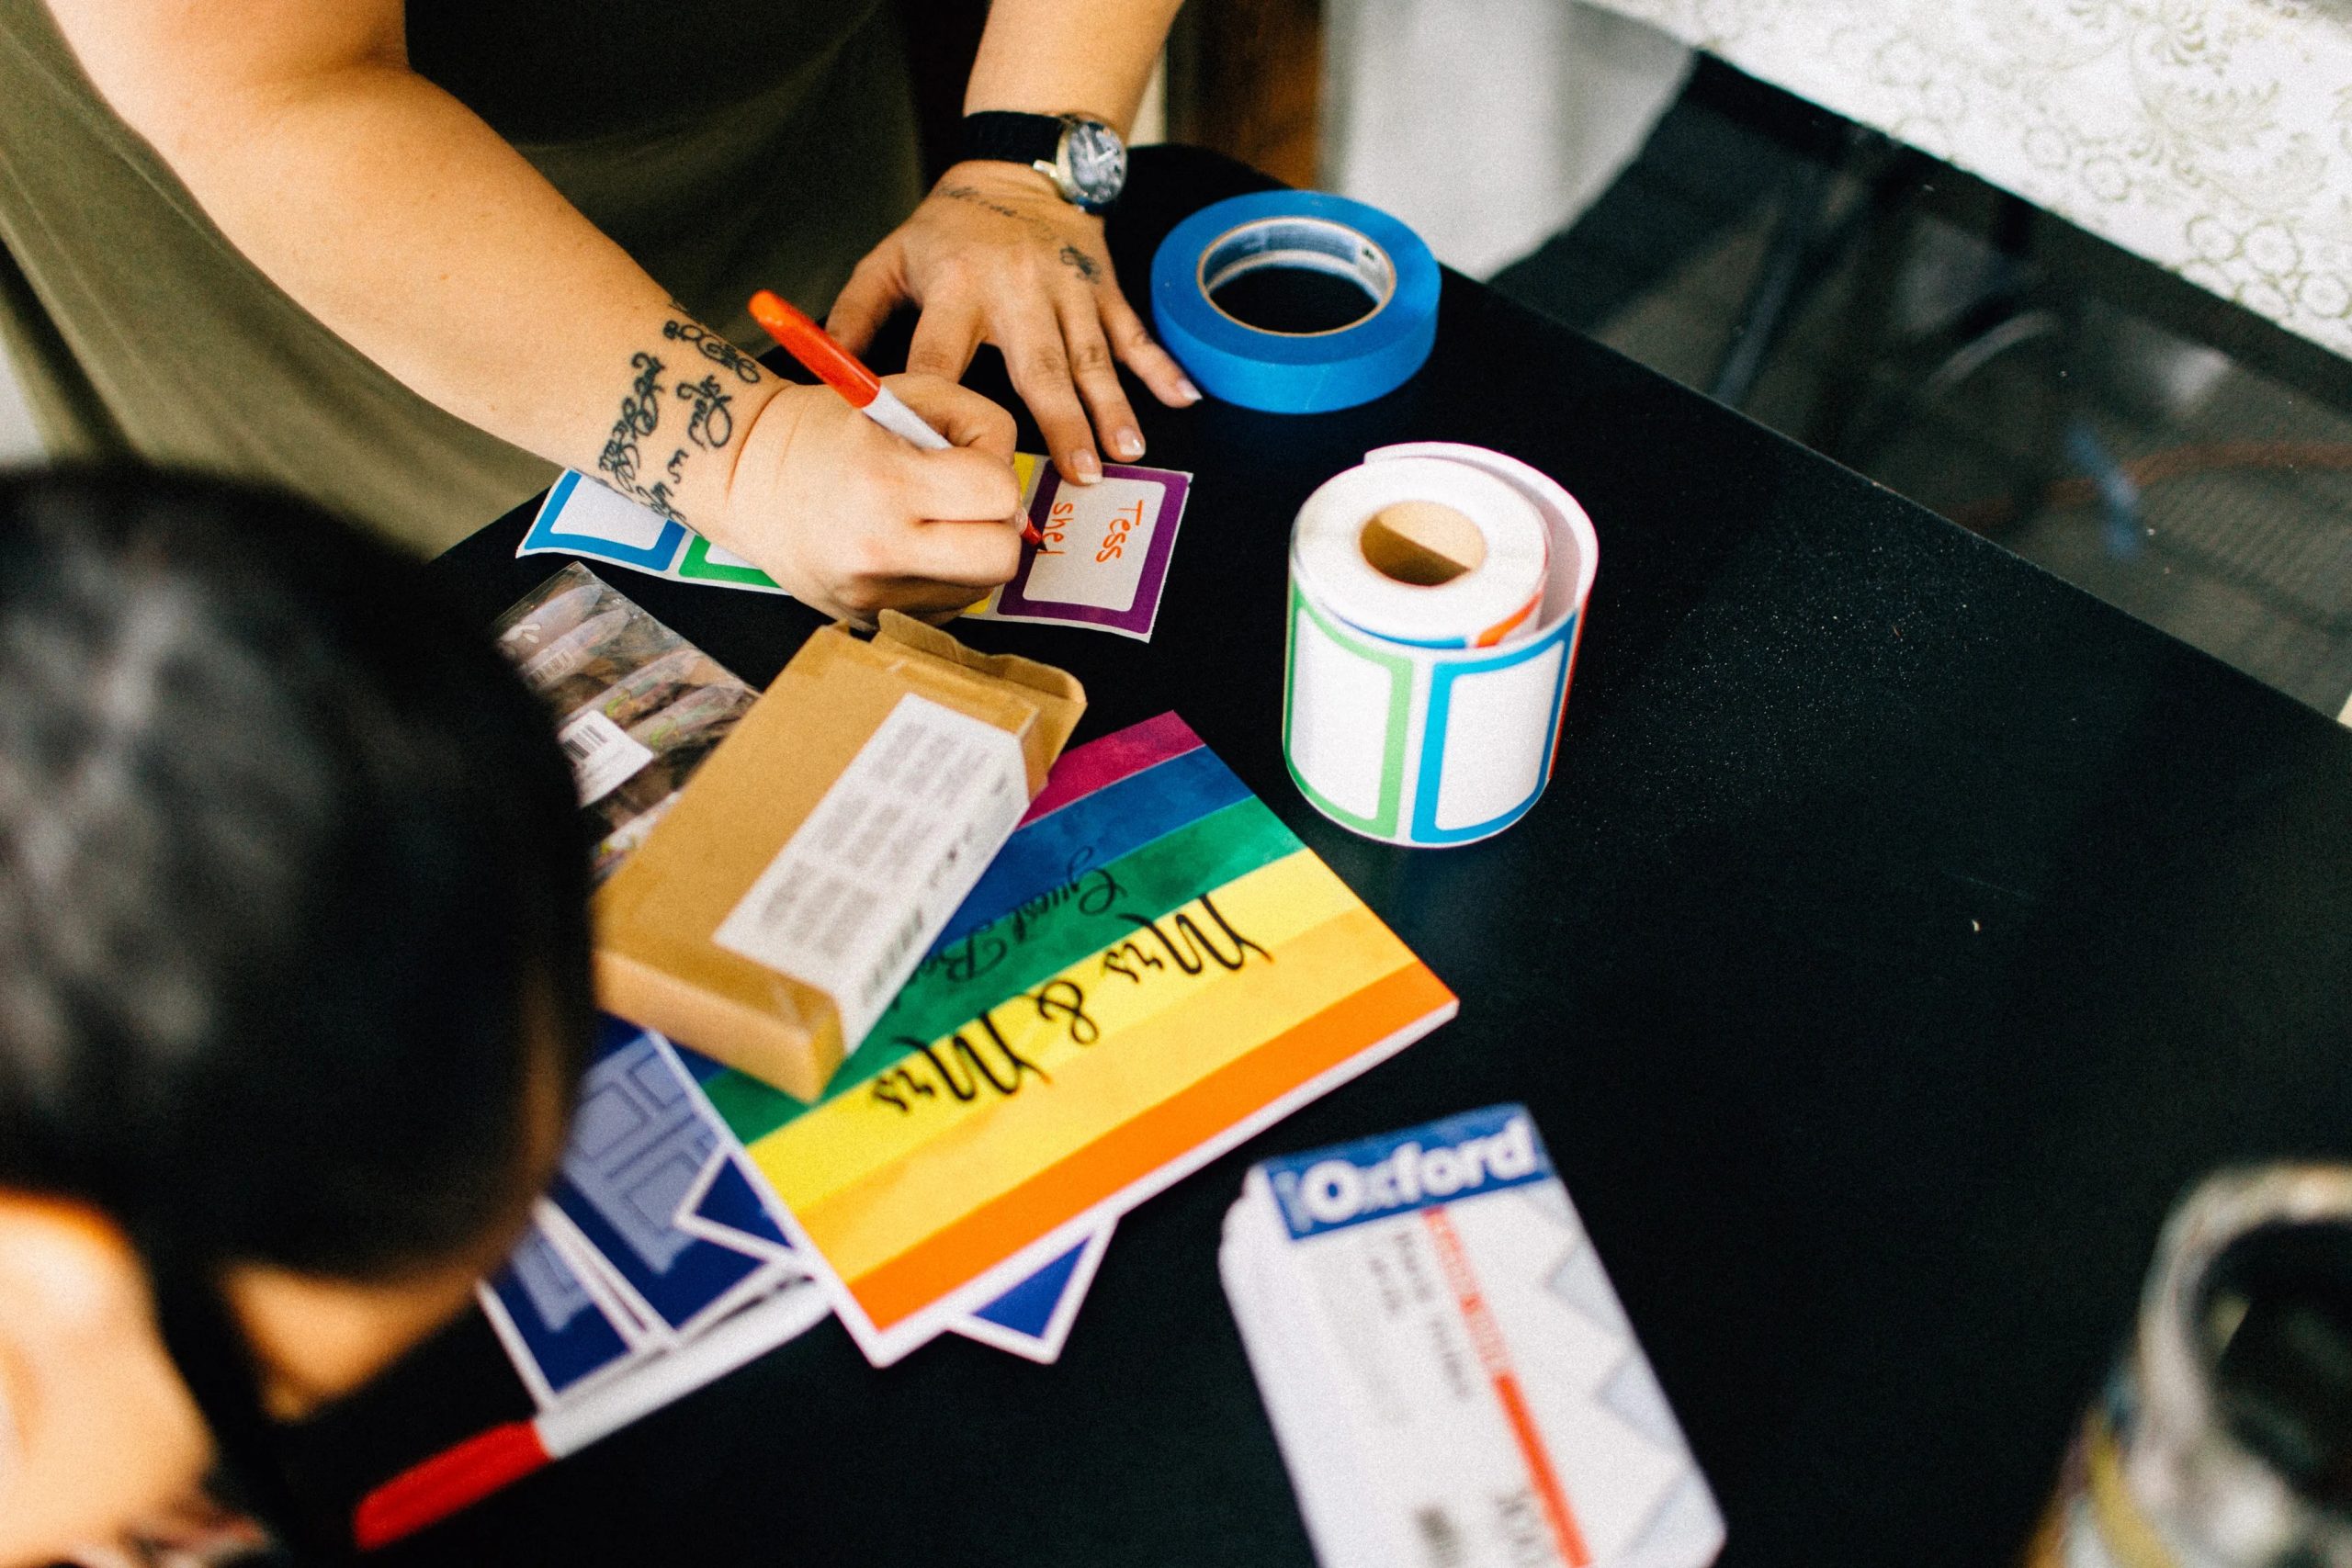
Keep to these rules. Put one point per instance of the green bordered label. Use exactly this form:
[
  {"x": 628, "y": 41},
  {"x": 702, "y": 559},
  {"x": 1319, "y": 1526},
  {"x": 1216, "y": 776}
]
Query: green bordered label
[
  {"x": 1397, "y": 672},
  {"x": 698, "y": 564}
]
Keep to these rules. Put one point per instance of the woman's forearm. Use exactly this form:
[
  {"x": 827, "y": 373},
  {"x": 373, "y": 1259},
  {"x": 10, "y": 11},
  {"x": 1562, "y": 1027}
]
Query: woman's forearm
[{"x": 398, "y": 217}]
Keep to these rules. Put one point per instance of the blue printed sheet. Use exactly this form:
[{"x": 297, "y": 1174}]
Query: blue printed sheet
[{"x": 656, "y": 1227}]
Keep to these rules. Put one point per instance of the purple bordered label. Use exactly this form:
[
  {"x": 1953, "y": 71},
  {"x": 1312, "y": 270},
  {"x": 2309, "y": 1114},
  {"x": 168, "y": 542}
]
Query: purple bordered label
[
  {"x": 1106, "y": 546},
  {"x": 1439, "y": 1162}
]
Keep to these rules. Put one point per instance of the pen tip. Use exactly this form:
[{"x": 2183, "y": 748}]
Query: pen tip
[{"x": 768, "y": 308}]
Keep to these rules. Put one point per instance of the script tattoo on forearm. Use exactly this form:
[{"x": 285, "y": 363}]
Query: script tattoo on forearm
[
  {"x": 710, "y": 417},
  {"x": 623, "y": 460},
  {"x": 711, "y": 425},
  {"x": 715, "y": 349}
]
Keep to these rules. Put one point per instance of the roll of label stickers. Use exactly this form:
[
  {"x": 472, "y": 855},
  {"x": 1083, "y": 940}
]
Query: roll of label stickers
[
  {"x": 1230, "y": 244},
  {"x": 1402, "y": 727}
]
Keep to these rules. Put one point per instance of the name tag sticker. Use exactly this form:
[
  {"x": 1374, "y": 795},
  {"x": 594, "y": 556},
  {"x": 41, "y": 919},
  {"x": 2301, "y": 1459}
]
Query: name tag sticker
[
  {"x": 1103, "y": 560},
  {"x": 1096, "y": 560},
  {"x": 1102, "y": 563}
]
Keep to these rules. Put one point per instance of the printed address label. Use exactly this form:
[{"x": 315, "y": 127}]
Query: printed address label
[{"x": 861, "y": 889}]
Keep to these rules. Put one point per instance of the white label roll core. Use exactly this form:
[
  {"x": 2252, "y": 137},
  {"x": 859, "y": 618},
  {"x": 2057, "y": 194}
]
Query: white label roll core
[
  {"x": 1366, "y": 541},
  {"x": 1388, "y": 732}
]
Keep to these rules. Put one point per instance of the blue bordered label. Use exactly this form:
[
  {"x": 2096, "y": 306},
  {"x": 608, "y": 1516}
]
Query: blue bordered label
[
  {"x": 1560, "y": 642},
  {"x": 546, "y": 536}
]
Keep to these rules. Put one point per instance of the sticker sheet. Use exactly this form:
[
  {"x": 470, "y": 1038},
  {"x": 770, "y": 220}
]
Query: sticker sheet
[
  {"x": 644, "y": 1150},
  {"x": 658, "y": 1227},
  {"x": 1153, "y": 969},
  {"x": 1032, "y": 1319},
  {"x": 560, "y": 1336},
  {"x": 1103, "y": 560},
  {"x": 653, "y": 1231}
]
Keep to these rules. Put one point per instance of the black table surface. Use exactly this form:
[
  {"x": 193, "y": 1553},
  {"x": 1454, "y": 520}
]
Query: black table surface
[{"x": 1902, "y": 932}]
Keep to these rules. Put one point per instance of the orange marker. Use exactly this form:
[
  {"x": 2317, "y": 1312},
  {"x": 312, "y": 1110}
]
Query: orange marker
[{"x": 814, "y": 347}]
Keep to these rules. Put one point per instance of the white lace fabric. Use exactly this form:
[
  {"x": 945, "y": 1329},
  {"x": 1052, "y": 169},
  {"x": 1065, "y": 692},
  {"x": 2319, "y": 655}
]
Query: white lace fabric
[{"x": 2213, "y": 139}]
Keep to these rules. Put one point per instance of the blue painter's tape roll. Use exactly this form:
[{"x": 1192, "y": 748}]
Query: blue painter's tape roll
[{"x": 1296, "y": 372}]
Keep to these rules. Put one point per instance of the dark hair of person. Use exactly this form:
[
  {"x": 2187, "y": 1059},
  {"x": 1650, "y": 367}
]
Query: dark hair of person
[{"x": 293, "y": 882}]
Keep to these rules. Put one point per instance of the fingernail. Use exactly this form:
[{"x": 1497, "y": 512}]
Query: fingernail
[
  {"x": 1129, "y": 443},
  {"x": 1190, "y": 393},
  {"x": 1086, "y": 465}
]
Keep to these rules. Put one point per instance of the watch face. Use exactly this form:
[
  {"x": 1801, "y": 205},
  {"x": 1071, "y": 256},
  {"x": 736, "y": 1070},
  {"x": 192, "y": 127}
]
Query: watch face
[{"x": 1097, "y": 161}]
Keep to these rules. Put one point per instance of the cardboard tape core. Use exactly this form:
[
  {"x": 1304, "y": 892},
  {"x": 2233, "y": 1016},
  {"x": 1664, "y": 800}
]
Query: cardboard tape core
[{"x": 1424, "y": 543}]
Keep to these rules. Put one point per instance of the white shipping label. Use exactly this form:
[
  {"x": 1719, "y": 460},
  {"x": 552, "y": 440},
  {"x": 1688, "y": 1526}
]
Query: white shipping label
[
  {"x": 860, "y": 890},
  {"x": 1506, "y": 1413},
  {"x": 603, "y": 755},
  {"x": 1097, "y": 539}
]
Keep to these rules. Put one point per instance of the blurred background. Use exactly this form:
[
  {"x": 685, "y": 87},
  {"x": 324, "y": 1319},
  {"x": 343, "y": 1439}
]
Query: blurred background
[{"x": 2075, "y": 274}]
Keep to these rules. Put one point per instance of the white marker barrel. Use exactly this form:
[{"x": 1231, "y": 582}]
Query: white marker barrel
[{"x": 1399, "y": 721}]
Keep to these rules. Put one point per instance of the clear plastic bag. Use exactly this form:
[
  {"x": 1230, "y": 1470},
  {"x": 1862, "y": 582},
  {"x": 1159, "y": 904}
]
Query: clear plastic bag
[{"x": 638, "y": 707}]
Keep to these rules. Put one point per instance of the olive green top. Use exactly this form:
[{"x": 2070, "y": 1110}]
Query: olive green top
[{"x": 723, "y": 159}]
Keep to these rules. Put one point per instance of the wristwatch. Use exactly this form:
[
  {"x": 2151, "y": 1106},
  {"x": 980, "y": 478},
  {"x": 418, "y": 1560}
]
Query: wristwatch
[{"x": 1082, "y": 156}]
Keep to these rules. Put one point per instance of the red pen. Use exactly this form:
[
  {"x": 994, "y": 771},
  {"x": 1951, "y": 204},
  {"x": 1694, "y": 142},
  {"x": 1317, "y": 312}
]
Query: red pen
[
  {"x": 846, "y": 374},
  {"x": 489, "y": 1461}
]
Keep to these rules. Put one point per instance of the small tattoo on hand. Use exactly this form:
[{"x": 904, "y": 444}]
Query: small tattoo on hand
[{"x": 969, "y": 194}]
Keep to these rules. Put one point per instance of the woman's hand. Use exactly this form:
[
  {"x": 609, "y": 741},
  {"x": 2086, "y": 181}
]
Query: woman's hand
[
  {"x": 851, "y": 520},
  {"x": 994, "y": 254}
]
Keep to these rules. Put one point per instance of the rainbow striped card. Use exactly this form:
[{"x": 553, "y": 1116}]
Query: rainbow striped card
[{"x": 1153, "y": 970}]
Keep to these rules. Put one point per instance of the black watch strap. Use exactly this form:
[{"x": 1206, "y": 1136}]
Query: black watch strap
[{"x": 1003, "y": 136}]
